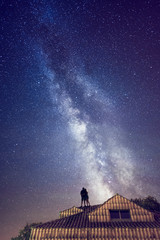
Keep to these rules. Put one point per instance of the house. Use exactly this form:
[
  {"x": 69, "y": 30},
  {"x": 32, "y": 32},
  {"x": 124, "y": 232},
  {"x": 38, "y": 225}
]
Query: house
[{"x": 116, "y": 219}]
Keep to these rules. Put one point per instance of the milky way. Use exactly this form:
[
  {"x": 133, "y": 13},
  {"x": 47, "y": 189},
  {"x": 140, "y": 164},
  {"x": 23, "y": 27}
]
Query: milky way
[
  {"x": 80, "y": 105},
  {"x": 99, "y": 152}
]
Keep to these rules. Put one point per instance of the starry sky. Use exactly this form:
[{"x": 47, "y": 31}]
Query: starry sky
[{"x": 80, "y": 105}]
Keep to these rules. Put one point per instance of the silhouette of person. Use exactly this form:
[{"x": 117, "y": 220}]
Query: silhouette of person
[
  {"x": 84, "y": 197},
  {"x": 87, "y": 199}
]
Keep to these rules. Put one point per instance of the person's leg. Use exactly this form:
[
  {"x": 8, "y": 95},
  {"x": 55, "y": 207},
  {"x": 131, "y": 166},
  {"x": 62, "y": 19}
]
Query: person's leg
[
  {"x": 88, "y": 204},
  {"x": 83, "y": 201}
]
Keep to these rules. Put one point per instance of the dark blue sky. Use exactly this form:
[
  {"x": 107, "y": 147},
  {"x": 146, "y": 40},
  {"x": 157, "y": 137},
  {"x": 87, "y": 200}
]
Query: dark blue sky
[{"x": 80, "y": 105}]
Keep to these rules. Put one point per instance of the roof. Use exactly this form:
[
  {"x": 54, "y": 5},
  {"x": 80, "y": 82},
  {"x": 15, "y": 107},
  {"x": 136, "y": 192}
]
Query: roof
[
  {"x": 82, "y": 221},
  {"x": 74, "y": 210},
  {"x": 94, "y": 216}
]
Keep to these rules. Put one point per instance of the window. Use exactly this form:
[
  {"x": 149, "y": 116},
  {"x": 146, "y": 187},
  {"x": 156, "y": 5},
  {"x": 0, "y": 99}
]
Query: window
[
  {"x": 120, "y": 214},
  {"x": 125, "y": 214},
  {"x": 114, "y": 214}
]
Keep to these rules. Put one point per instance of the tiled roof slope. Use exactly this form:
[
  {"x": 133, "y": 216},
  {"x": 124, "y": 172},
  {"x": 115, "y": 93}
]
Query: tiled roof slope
[
  {"x": 70, "y": 211},
  {"x": 74, "y": 210},
  {"x": 82, "y": 221},
  {"x": 75, "y": 220}
]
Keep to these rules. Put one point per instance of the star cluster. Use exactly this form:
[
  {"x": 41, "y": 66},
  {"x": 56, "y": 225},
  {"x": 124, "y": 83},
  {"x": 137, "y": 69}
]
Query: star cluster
[{"x": 80, "y": 105}]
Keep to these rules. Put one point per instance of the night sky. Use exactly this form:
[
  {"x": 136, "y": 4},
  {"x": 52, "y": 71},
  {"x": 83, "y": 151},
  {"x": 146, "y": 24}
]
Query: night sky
[{"x": 80, "y": 105}]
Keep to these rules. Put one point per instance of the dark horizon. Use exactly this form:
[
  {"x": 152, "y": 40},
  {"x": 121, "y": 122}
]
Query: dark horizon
[{"x": 80, "y": 105}]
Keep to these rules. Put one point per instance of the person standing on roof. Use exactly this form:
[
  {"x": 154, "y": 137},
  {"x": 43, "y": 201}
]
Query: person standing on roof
[
  {"x": 84, "y": 197},
  {"x": 87, "y": 199}
]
